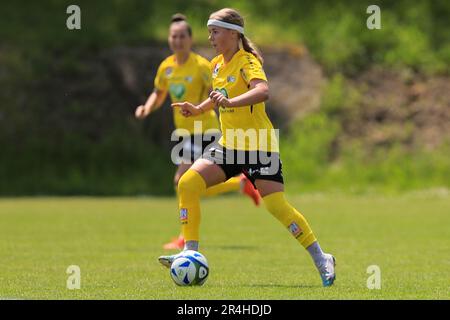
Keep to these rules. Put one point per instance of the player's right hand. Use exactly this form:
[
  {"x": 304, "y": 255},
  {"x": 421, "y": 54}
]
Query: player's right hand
[{"x": 187, "y": 109}]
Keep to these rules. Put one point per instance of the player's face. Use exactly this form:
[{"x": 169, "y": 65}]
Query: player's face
[
  {"x": 222, "y": 39},
  {"x": 179, "y": 39}
]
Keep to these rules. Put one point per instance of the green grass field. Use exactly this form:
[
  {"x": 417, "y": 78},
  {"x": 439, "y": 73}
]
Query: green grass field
[{"x": 116, "y": 242}]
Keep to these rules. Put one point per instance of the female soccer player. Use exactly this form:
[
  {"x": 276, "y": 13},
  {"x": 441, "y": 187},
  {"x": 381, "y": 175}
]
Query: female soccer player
[
  {"x": 186, "y": 76},
  {"x": 240, "y": 90}
]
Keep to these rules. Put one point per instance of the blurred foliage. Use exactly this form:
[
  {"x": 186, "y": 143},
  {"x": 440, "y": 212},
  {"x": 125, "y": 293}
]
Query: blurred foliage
[
  {"x": 412, "y": 34},
  {"x": 50, "y": 149},
  {"x": 311, "y": 162}
]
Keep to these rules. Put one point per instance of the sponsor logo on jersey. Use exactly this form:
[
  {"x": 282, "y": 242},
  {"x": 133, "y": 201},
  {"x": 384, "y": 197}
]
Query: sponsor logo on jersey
[
  {"x": 177, "y": 90},
  {"x": 169, "y": 71},
  {"x": 231, "y": 79}
]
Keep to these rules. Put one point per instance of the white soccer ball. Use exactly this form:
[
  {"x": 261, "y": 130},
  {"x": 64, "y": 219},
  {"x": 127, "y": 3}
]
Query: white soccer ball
[{"x": 189, "y": 268}]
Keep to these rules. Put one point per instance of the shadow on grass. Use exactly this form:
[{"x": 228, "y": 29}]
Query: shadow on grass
[
  {"x": 274, "y": 285},
  {"x": 242, "y": 248}
]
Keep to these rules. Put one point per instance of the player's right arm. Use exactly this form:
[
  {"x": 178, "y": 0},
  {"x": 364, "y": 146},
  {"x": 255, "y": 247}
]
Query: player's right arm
[
  {"x": 154, "y": 101},
  {"x": 159, "y": 94}
]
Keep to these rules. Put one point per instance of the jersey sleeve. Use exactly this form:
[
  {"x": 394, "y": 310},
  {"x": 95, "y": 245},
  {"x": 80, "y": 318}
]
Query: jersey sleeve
[
  {"x": 252, "y": 69},
  {"x": 160, "y": 79}
]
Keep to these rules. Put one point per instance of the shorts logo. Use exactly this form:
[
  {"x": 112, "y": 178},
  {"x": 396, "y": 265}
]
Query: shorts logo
[
  {"x": 183, "y": 215},
  {"x": 251, "y": 171},
  {"x": 295, "y": 229}
]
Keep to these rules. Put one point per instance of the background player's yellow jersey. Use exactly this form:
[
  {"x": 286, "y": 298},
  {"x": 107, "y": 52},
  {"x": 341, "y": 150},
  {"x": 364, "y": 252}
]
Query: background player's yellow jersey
[
  {"x": 189, "y": 82},
  {"x": 233, "y": 79}
]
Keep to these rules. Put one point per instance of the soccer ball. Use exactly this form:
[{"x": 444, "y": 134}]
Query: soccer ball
[{"x": 190, "y": 268}]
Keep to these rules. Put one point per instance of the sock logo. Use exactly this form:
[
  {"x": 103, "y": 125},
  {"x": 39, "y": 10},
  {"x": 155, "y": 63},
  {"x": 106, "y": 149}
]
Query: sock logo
[
  {"x": 295, "y": 229},
  {"x": 183, "y": 215}
]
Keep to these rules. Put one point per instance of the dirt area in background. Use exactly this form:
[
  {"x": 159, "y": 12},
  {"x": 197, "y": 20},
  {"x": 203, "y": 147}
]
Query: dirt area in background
[
  {"x": 395, "y": 107},
  {"x": 400, "y": 107}
]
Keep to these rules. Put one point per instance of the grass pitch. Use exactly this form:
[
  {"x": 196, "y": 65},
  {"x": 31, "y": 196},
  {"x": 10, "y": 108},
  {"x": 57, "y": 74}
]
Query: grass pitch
[{"x": 116, "y": 242}]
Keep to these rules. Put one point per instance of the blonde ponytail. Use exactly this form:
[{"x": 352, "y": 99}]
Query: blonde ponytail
[{"x": 248, "y": 46}]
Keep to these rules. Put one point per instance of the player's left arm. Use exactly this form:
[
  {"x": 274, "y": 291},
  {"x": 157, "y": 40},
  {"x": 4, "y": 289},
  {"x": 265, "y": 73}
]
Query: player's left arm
[{"x": 258, "y": 92}]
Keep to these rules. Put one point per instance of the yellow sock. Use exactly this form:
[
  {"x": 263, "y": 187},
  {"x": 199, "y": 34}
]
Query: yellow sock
[
  {"x": 232, "y": 184},
  {"x": 190, "y": 188},
  {"x": 297, "y": 225},
  {"x": 178, "y": 200}
]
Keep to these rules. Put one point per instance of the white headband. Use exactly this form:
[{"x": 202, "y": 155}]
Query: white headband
[{"x": 226, "y": 25}]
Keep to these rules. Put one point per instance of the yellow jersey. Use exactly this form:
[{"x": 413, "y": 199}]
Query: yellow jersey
[
  {"x": 249, "y": 126},
  {"x": 189, "y": 82}
]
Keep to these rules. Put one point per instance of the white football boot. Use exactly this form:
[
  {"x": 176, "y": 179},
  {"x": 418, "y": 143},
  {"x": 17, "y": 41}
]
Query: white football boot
[
  {"x": 167, "y": 261},
  {"x": 327, "y": 270}
]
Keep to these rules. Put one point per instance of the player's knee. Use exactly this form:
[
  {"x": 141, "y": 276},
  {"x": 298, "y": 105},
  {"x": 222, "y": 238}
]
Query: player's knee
[
  {"x": 275, "y": 202},
  {"x": 191, "y": 183}
]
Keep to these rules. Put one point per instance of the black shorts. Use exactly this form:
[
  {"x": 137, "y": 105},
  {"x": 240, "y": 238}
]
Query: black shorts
[
  {"x": 187, "y": 149},
  {"x": 253, "y": 164}
]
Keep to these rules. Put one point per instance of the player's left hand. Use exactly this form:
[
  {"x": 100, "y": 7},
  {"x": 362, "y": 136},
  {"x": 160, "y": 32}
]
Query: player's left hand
[{"x": 219, "y": 99}]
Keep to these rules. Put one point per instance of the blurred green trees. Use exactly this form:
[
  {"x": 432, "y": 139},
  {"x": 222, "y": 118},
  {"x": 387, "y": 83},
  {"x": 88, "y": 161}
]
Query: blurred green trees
[{"x": 49, "y": 146}]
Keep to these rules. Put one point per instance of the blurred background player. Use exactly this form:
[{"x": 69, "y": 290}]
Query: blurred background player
[
  {"x": 186, "y": 76},
  {"x": 240, "y": 90}
]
